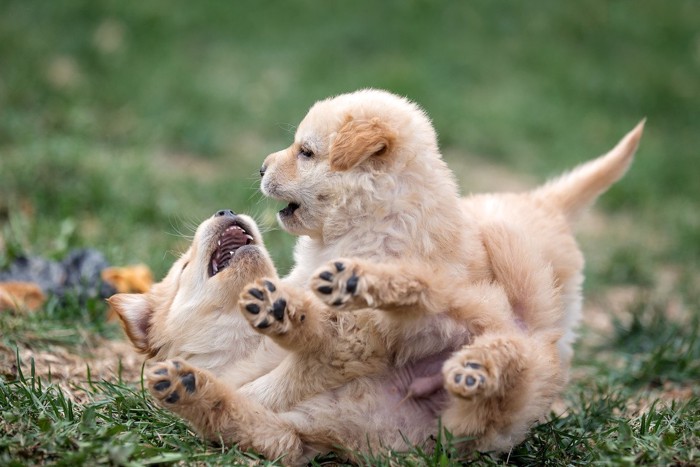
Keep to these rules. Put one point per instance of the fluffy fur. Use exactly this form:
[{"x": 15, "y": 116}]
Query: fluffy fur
[
  {"x": 191, "y": 314},
  {"x": 406, "y": 303}
]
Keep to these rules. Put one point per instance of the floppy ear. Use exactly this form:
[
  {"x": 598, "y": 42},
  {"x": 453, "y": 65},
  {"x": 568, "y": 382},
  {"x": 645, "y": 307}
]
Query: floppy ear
[
  {"x": 359, "y": 140},
  {"x": 135, "y": 315}
]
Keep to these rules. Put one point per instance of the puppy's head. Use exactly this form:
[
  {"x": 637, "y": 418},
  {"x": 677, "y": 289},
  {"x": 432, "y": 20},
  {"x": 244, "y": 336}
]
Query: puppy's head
[
  {"x": 343, "y": 149},
  {"x": 197, "y": 300}
]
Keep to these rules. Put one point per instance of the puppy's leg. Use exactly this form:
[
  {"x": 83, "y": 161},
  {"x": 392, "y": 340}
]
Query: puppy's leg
[
  {"x": 219, "y": 413},
  {"x": 290, "y": 316},
  {"x": 518, "y": 264},
  {"x": 354, "y": 283},
  {"x": 500, "y": 386}
]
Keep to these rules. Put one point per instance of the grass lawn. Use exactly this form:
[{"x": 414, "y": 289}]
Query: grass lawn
[{"x": 123, "y": 124}]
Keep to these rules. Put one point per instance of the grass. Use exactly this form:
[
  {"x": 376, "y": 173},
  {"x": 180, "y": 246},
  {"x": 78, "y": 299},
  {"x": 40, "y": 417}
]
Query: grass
[{"x": 125, "y": 123}]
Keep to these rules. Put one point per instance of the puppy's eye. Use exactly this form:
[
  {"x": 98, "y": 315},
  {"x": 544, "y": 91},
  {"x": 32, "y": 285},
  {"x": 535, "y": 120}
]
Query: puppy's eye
[{"x": 305, "y": 152}]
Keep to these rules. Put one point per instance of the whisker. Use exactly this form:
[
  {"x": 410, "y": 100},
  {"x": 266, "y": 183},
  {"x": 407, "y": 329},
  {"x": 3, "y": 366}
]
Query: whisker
[
  {"x": 288, "y": 127},
  {"x": 180, "y": 223}
]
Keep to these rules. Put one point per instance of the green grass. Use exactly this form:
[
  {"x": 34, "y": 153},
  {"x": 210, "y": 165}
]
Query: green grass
[
  {"x": 616, "y": 415},
  {"x": 125, "y": 123}
]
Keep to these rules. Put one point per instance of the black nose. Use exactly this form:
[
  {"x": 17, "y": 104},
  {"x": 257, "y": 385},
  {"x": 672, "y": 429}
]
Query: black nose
[
  {"x": 225, "y": 212},
  {"x": 262, "y": 170}
]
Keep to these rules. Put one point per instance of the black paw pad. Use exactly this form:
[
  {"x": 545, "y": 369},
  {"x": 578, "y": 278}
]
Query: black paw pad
[
  {"x": 176, "y": 364},
  {"x": 257, "y": 293},
  {"x": 340, "y": 267},
  {"x": 172, "y": 398},
  {"x": 161, "y": 371},
  {"x": 326, "y": 276},
  {"x": 470, "y": 381},
  {"x": 252, "y": 308},
  {"x": 337, "y": 302},
  {"x": 263, "y": 324},
  {"x": 475, "y": 366},
  {"x": 270, "y": 286},
  {"x": 351, "y": 286},
  {"x": 325, "y": 290},
  {"x": 458, "y": 378},
  {"x": 161, "y": 385},
  {"x": 278, "y": 309},
  {"x": 189, "y": 381}
]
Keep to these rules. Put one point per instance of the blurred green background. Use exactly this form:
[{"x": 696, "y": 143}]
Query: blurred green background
[{"x": 125, "y": 123}]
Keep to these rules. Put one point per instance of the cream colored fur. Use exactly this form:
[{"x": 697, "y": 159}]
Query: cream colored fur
[
  {"x": 191, "y": 315},
  {"x": 441, "y": 306}
]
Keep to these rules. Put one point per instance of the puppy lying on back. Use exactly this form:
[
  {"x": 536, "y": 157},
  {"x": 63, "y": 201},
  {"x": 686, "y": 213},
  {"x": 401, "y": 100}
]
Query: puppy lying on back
[{"x": 279, "y": 382}]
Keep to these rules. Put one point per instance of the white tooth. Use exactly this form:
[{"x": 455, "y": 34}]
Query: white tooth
[
  {"x": 219, "y": 242},
  {"x": 250, "y": 237},
  {"x": 231, "y": 253}
]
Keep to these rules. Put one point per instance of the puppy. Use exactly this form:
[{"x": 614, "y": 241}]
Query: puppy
[
  {"x": 235, "y": 383},
  {"x": 382, "y": 226},
  {"x": 193, "y": 312},
  {"x": 283, "y": 395},
  {"x": 469, "y": 303}
]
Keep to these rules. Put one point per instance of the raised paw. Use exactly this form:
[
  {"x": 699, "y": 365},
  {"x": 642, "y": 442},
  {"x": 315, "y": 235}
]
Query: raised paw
[
  {"x": 172, "y": 382},
  {"x": 479, "y": 371},
  {"x": 267, "y": 307},
  {"x": 340, "y": 284},
  {"x": 469, "y": 380}
]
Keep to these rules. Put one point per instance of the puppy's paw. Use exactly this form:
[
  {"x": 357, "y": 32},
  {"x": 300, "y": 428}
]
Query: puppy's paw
[
  {"x": 267, "y": 308},
  {"x": 468, "y": 380},
  {"x": 173, "y": 382},
  {"x": 482, "y": 371},
  {"x": 340, "y": 284}
]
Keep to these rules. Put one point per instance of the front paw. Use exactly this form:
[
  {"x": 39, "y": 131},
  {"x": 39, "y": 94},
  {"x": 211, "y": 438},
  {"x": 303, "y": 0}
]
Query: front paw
[
  {"x": 267, "y": 308},
  {"x": 173, "y": 382},
  {"x": 340, "y": 284}
]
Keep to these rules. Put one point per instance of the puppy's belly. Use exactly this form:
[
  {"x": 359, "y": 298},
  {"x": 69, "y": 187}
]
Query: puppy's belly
[{"x": 414, "y": 393}]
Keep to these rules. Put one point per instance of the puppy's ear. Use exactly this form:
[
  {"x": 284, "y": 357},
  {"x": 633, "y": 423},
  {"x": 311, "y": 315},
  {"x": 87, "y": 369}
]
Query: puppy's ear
[
  {"x": 359, "y": 140},
  {"x": 135, "y": 315}
]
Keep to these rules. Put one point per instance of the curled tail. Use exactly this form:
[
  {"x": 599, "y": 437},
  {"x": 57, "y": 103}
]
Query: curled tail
[{"x": 575, "y": 191}]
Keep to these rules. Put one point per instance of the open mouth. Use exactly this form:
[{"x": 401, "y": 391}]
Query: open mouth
[
  {"x": 228, "y": 241},
  {"x": 289, "y": 210}
]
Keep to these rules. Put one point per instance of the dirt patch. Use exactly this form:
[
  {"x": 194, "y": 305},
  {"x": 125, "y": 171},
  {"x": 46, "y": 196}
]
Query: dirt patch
[{"x": 72, "y": 370}]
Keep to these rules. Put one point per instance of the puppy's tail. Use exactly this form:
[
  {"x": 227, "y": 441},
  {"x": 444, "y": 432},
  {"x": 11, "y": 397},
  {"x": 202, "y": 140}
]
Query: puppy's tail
[{"x": 575, "y": 191}]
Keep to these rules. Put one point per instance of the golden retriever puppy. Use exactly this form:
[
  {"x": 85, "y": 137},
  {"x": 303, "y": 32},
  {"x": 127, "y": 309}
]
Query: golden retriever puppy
[
  {"x": 238, "y": 385},
  {"x": 382, "y": 226},
  {"x": 193, "y": 312},
  {"x": 281, "y": 396}
]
